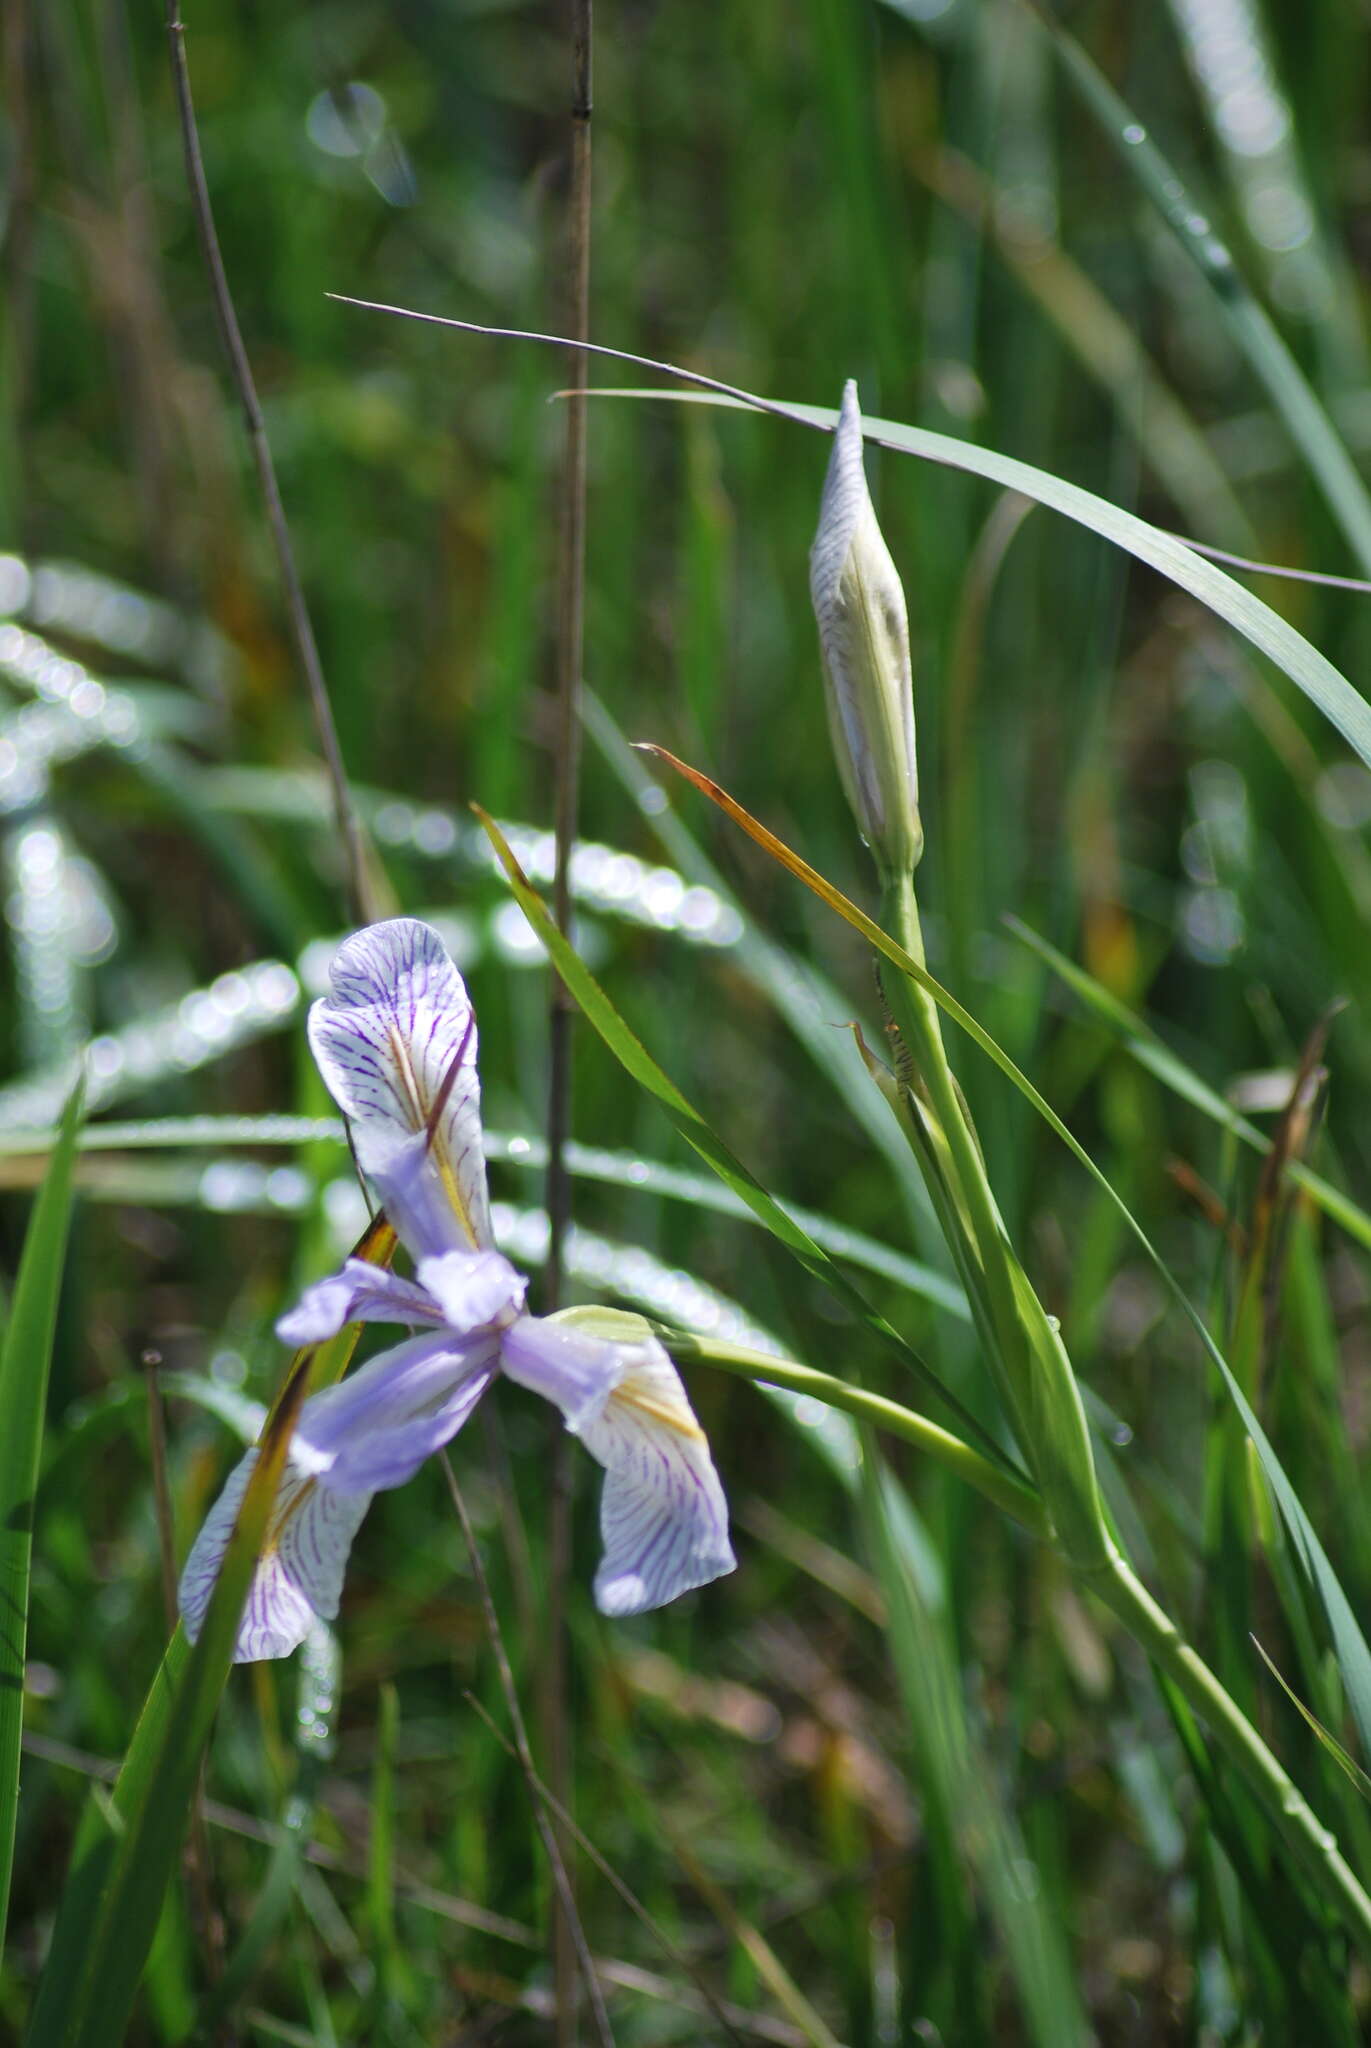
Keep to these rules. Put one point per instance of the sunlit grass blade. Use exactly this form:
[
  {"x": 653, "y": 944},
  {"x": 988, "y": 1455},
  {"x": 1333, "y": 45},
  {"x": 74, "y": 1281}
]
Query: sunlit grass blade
[
  {"x": 1107, "y": 345},
  {"x": 1345, "y": 1763},
  {"x": 1173, "y": 1073},
  {"x": 588, "y": 1162},
  {"x": 1324, "y": 685},
  {"x": 1310, "y": 670},
  {"x": 637, "y": 1061},
  {"x": 1349, "y": 1644},
  {"x": 24, "y": 1365}
]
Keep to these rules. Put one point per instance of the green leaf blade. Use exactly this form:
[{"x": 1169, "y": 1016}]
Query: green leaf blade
[{"x": 25, "y": 1361}]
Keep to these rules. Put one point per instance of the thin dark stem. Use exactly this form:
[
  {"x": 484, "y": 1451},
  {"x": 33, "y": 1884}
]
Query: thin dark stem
[
  {"x": 567, "y": 771},
  {"x": 570, "y": 641},
  {"x": 302, "y": 631},
  {"x": 525, "y": 1756},
  {"x": 611, "y": 1876},
  {"x": 16, "y": 267}
]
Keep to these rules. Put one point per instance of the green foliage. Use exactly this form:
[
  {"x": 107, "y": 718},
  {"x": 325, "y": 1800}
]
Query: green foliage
[
  {"x": 897, "y": 1776},
  {"x": 25, "y": 1359}
]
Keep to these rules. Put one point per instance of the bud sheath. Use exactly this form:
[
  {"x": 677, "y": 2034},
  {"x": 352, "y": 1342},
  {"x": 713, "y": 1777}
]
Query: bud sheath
[{"x": 864, "y": 639}]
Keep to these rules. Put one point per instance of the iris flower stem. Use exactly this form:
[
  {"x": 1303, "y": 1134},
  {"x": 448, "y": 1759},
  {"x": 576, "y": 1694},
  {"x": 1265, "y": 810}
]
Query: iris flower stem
[
  {"x": 1114, "y": 1583},
  {"x": 916, "y": 1015},
  {"x": 1032, "y": 1371},
  {"x": 999, "y": 1486}
]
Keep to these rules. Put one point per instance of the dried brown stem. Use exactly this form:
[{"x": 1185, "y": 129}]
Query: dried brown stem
[
  {"x": 567, "y": 763},
  {"x": 360, "y": 905}
]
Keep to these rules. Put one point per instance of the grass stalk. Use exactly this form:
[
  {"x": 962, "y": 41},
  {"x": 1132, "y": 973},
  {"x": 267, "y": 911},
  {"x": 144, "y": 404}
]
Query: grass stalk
[
  {"x": 361, "y": 907},
  {"x": 561, "y": 1022}
]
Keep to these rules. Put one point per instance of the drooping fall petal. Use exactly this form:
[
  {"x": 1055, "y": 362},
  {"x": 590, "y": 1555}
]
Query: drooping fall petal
[
  {"x": 300, "y": 1572},
  {"x": 376, "y": 1427},
  {"x": 663, "y": 1516}
]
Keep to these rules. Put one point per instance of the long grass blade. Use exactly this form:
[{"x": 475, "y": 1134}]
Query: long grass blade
[
  {"x": 1349, "y": 1643},
  {"x": 125, "y": 1858},
  {"x": 638, "y": 1061},
  {"x": 24, "y": 1364},
  {"x": 1270, "y": 634}
]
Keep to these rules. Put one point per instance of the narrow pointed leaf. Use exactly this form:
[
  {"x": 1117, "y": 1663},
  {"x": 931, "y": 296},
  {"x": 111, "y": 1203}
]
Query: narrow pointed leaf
[
  {"x": 1329, "y": 1742},
  {"x": 636, "y": 1060},
  {"x": 24, "y": 1364},
  {"x": 1349, "y": 1644},
  {"x": 1310, "y": 670}
]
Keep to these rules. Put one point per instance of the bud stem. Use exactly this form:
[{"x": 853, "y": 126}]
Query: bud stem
[{"x": 1032, "y": 1370}]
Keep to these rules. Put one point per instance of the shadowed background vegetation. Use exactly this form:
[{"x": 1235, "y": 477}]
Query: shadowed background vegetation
[{"x": 994, "y": 1834}]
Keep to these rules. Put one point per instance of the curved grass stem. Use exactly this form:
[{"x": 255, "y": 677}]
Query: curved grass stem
[{"x": 997, "y": 1484}]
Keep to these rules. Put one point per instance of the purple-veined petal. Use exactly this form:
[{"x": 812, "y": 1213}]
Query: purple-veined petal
[
  {"x": 663, "y": 1517},
  {"x": 396, "y": 1044},
  {"x": 473, "y": 1289},
  {"x": 375, "y": 1428},
  {"x": 576, "y": 1371},
  {"x": 358, "y": 1293},
  {"x": 300, "y": 1573}
]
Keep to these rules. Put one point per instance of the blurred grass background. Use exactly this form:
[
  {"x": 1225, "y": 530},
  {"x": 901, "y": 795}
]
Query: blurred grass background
[{"x": 996, "y": 1840}]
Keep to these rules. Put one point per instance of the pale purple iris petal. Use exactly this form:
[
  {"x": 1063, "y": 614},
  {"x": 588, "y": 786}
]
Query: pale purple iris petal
[
  {"x": 375, "y": 1428},
  {"x": 406, "y": 1173},
  {"x": 576, "y": 1371},
  {"x": 357, "y": 1293},
  {"x": 473, "y": 1289},
  {"x": 386, "y": 1039},
  {"x": 663, "y": 1516},
  {"x": 300, "y": 1572}
]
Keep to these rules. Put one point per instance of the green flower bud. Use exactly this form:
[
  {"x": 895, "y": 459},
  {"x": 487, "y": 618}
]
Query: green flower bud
[{"x": 864, "y": 640}]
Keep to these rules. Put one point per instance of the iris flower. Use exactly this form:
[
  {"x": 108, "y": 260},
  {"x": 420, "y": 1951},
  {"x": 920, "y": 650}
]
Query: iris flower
[{"x": 395, "y": 1040}]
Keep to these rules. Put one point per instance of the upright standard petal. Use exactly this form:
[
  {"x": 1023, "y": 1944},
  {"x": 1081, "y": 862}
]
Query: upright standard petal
[
  {"x": 663, "y": 1516},
  {"x": 396, "y": 1044},
  {"x": 375, "y": 1428},
  {"x": 300, "y": 1572},
  {"x": 357, "y": 1293}
]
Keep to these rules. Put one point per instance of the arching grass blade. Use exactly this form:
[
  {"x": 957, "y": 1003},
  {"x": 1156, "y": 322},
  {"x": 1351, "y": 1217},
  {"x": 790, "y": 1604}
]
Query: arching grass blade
[
  {"x": 1349, "y": 1644},
  {"x": 24, "y": 1363},
  {"x": 638, "y": 1061}
]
